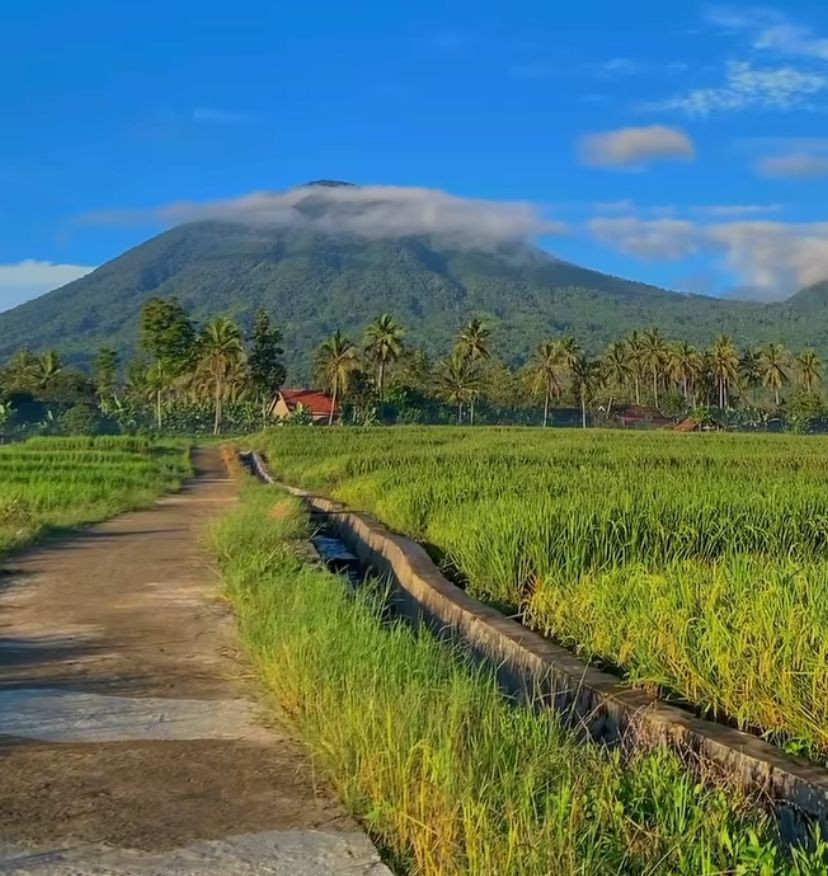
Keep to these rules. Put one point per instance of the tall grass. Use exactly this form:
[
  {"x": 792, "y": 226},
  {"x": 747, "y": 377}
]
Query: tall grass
[
  {"x": 698, "y": 563},
  {"x": 447, "y": 775},
  {"x": 60, "y": 482}
]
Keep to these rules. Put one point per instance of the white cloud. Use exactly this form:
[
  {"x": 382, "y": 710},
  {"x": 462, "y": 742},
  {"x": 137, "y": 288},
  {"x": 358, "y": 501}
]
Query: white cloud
[
  {"x": 634, "y": 147},
  {"x": 656, "y": 239},
  {"x": 796, "y": 165},
  {"x": 774, "y": 259},
  {"x": 366, "y": 211},
  {"x": 749, "y": 87},
  {"x": 770, "y": 30},
  {"x": 29, "y": 278}
]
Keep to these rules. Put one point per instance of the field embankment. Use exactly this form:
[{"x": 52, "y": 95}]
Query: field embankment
[
  {"x": 696, "y": 564},
  {"x": 448, "y": 775},
  {"x": 47, "y": 484}
]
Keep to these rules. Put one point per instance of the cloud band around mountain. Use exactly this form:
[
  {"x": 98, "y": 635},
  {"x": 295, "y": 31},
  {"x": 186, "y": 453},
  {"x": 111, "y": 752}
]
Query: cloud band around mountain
[{"x": 371, "y": 211}]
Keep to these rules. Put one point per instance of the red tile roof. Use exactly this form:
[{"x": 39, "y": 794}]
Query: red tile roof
[{"x": 316, "y": 402}]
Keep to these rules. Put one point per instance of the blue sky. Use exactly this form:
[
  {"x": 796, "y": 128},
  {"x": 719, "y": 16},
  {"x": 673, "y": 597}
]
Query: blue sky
[{"x": 684, "y": 144}]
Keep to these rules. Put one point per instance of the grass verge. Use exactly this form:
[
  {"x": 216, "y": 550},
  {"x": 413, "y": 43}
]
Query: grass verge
[{"x": 446, "y": 774}]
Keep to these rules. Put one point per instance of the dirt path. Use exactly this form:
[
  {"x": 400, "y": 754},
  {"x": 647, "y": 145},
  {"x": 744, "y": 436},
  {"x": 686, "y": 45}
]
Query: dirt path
[{"x": 129, "y": 737}]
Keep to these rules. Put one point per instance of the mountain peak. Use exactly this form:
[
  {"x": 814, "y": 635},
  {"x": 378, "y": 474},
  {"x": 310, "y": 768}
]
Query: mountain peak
[{"x": 329, "y": 183}]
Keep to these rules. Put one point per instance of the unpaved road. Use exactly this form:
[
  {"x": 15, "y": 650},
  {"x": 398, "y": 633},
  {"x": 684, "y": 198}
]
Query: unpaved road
[{"x": 130, "y": 742}]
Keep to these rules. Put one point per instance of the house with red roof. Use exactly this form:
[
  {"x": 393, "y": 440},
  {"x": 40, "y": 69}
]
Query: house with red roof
[{"x": 318, "y": 404}]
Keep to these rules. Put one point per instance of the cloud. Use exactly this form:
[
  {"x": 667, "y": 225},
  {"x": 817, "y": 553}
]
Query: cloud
[
  {"x": 231, "y": 118},
  {"x": 776, "y": 258},
  {"x": 366, "y": 211},
  {"x": 29, "y": 278},
  {"x": 731, "y": 211},
  {"x": 652, "y": 239},
  {"x": 796, "y": 165},
  {"x": 634, "y": 147},
  {"x": 773, "y": 259},
  {"x": 749, "y": 87},
  {"x": 770, "y": 30}
]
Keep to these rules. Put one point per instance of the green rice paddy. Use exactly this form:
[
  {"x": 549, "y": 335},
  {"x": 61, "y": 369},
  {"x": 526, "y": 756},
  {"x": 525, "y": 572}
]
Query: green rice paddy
[
  {"x": 694, "y": 563},
  {"x": 50, "y": 484}
]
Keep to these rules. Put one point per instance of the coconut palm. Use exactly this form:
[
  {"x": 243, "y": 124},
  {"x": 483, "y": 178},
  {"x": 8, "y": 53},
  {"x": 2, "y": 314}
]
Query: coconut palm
[
  {"x": 155, "y": 384},
  {"x": 617, "y": 365},
  {"x": 810, "y": 369},
  {"x": 45, "y": 368},
  {"x": 586, "y": 374},
  {"x": 684, "y": 365},
  {"x": 750, "y": 371},
  {"x": 221, "y": 349},
  {"x": 473, "y": 344},
  {"x": 773, "y": 360},
  {"x": 545, "y": 370},
  {"x": 383, "y": 346},
  {"x": 655, "y": 353},
  {"x": 458, "y": 382},
  {"x": 336, "y": 362},
  {"x": 724, "y": 361},
  {"x": 635, "y": 351}
]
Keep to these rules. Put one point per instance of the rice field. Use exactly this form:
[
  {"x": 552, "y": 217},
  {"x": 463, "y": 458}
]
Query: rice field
[
  {"x": 697, "y": 564},
  {"x": 451, "y": 778},
  {"x": 47, "y": 484}
]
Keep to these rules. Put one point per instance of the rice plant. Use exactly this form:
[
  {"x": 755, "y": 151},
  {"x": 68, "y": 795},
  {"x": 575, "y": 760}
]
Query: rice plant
[
  {"x": 50, "y": 483},
  {"x": 696, "y": 563},
  {"x": 449, "y": 776}
]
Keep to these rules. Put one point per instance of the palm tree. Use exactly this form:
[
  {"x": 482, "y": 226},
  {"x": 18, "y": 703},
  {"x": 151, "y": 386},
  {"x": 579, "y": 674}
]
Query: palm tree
[
  {"x": 156, "y": 382},
  {"x": 45, "y": 368},
  {"x": 724, "y": 361},
  {"x": 750, "y": 371},
  {"x": 616, "y": 364},
  {"x": 585, "y": 375},
  {"x": 221, "y": 351},
  {"x": 654, "y": 356},
  {"x": 383, "y": 345},
  {"x": 772, "y": 362},
  {"x": 810, "y": 369},
  {"x": 473, "y": 344},
  {"x": 336, "y": 362},
  {"x": 458, "y": 382},
  {"x": 635, "y": 350},
  {"x": 685, "y": 364},
  {"x": 545, "y": 371}
]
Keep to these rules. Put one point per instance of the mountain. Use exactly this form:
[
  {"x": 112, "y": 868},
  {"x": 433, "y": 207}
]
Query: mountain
[{"x": 314, "y": 282}]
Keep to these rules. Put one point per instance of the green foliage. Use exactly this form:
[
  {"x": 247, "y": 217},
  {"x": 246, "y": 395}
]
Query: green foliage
[
  {"x": 81, "y": 419},
  {"x": 451, "y": 777},
  {"x": 167, "y": 333},
  {"x": 264, "y": 360},
  {"x": 106, "y": 370},
  {"x": 317, "y": 284}
]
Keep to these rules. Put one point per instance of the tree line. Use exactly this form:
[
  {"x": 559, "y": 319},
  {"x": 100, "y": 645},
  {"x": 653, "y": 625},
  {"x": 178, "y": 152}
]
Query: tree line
[{"x": 190, "y": 379}]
